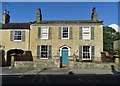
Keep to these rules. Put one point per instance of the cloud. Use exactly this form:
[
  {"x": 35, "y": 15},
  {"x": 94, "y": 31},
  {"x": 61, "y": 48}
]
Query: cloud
[{"x": 115, "y": 26}]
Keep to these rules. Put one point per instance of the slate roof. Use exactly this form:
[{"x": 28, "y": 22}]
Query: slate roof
[
  {"x": 66, "y": 22},
  {"x": 16, "y": 26},
  {"x": 27, "y": 25},
  {"x": 116, "y": 39}
]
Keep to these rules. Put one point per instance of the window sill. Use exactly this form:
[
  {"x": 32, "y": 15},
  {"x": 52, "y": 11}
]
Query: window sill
[
  {"x": 17, "y": 40},
  {"x": 64, "y": 38},
  {"x": 44, "y": 38},
  {"x": 86, "y": 59},
  {"x": 44, "y": 58},
  {"x": 86, "y": 39}
]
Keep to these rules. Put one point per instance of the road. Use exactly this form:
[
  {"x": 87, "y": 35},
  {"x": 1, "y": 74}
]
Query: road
[
  {"x": 48, "y": 76},
  {"x": 81, "y": 79}
]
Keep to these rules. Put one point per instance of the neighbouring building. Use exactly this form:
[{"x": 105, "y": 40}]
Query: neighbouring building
[
  {"x": 48, "y": 39},
  {"x": 13, "y": 36},
  {"x": 116, "y": 45}
]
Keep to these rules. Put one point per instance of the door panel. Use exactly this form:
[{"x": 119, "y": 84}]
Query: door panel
[{"x": 64, "y": 56}]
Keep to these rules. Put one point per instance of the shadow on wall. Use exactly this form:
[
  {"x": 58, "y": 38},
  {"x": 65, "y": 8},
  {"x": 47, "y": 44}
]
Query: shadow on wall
[
  {"x": 2, "y": 58},
  {"x": 11, "y": 51},
  {"x": 21, "y": 55},
  {"x": 26, "y": 56},
  {"x": 113, "y": 70}
]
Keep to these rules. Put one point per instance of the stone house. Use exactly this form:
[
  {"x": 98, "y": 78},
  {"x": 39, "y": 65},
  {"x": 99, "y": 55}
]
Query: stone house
[
  {"x": 116, "y": 45},
  {"x": 55, "y": 39},
  {"x": 14, "y": 36}
]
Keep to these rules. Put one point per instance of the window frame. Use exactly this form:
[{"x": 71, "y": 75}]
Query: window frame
[
  {"x": 17, "y": 35},
  {"x": 89, "y": 33},
  {"x": 47, "y": 28},
  {"x": 44, "y": 52},
  {"x": 62, "y": 32},
  {"x": 86, "y": 52}
]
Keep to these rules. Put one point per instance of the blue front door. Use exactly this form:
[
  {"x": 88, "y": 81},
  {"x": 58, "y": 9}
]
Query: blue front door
[{"x": 65, "y": 56}]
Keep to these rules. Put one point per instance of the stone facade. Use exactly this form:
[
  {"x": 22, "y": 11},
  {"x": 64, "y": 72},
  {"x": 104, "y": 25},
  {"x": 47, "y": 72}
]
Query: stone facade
[
  {"x": 116, "y": 44},
  {"x": 55, "y": 43},
  {"x": 73, "y": 43},
  {"x": 9, "y": 45}
]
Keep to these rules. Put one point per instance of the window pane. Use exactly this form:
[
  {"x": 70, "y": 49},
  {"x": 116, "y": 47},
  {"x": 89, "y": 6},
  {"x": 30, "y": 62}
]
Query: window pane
[
  {"x": 65, "y": 35},
  {"x": 44, "y": 36},
  {"x": 65, "y": 29},
  {"x": 44, "y": 30},
  {"x": 43, "y": 55},
  {"x": 86, "y": 29},
  {"x": 17, "y": 32}
]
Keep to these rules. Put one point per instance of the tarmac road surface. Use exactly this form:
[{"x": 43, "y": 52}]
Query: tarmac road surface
[{"x": 81, "y": 79}]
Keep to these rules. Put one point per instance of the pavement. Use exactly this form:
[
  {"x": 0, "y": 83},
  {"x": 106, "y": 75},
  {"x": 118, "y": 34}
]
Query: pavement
[
  {"x": 46, "y": 76},
  {"x": 54, "y": 71}
]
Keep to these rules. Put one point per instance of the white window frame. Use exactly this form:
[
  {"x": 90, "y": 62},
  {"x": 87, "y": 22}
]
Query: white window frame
[
  {"x": 68, "y": 32},
  {"x": 42, "y": 51},
  {"x": 89, "y": 33},
  {"x": 18, "y": 35},
  {"x": 42, "y": 28},
  {"x": 86, "y": 52}
]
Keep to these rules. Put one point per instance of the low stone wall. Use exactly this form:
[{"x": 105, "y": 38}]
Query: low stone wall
[
  {"x": 44, "y": 64},
  {"x": 89, "y": 65},
  {"x": 34, "y": 64},
  {"x": 23, "y": 64},
  {"x": 72, "y": 64}
]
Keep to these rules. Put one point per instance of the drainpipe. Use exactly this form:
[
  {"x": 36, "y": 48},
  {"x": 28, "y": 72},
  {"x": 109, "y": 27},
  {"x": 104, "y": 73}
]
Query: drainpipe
[{"x": 29, "y": 41}]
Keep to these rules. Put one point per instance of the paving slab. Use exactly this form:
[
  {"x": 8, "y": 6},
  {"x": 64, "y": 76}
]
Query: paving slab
[
  {"x": 55, "y": 71},
  {"x": 91, "y": 71},
  {"x": 30, "y": 72}
]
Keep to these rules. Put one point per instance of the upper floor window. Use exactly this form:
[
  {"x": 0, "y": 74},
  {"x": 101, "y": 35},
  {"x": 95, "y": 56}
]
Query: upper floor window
[
  {"x": 65, "y": 33},
  {"x": 86, "y": 33},
  {"x": 17, "y": 35},
  {"x": 44, "y": 32},
  {"x": 44, "y": 51}
]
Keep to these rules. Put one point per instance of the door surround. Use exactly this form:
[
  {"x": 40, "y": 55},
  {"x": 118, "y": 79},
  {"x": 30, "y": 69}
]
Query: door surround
[{"x": 64, "y": 47}]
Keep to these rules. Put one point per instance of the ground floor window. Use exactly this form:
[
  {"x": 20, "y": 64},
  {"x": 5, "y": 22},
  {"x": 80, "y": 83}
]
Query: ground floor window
[
  {"x": 44, "y": 51},
  {"x": 86, "y": 53}
]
